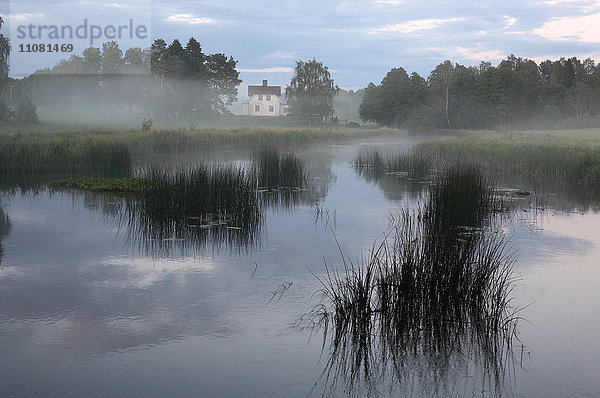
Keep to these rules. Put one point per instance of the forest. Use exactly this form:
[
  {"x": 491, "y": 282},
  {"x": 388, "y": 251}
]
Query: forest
[
  {"x": 518, "y": 93},
  {"x": 166, "y": 82}
]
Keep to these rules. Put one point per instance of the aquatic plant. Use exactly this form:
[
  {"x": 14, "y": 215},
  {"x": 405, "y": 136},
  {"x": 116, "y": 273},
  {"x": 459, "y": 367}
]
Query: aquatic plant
[
  {"x": 103, "y": 184},
  {"x": 23, "y": 154},
  {"x": 275, "y": 170},
  {"x": 198, "y": 205},
  {"x": 282, "y": 178},
  {"x": 5, "y": 228},
  {"x": 575, "y": 164},
  {"x": 370, "y": 161},
  {"x": 438, "y": 286}
]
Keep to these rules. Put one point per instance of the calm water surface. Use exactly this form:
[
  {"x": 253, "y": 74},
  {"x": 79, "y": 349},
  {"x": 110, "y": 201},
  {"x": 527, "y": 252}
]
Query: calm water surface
[{"x": 85, "y": 311}]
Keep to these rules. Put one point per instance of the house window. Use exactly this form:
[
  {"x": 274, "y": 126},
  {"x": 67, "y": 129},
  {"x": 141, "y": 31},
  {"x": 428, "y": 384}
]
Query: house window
[
  {"x": 286, "y": 110},
  {"x": 268, "y": 98},
  {"x": 260, "y": 97},
  {"x": 256, "y": 108},
  {"x": 271, "y": 108}
]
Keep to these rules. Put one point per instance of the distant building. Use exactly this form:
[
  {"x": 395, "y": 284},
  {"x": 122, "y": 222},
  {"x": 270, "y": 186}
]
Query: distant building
[{"x": 265, "y": 100}]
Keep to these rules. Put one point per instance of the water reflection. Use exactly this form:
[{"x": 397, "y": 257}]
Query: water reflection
[
  {"x": 5, "y": 227},
  {"x": 397, "y": 172},
  {"x": 200, "y": 209},
  {"x": 395, "y": 186},
  {"x": 429, "y": 303}
]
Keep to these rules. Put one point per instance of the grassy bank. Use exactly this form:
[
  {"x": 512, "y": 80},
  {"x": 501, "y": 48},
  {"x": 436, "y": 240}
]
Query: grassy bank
[
  {"x": 570, "y": 156},
  {"x": 68, "y": 152},
  {"x": 29, "y": 150},
  {"x": 575, "y": 163}
]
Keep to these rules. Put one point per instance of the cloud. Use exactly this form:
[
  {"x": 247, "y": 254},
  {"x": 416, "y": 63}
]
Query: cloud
[
  {"x": 101, "y": 4},
  {"x": 584, "y": 4},
  {"x": 584, "y": 29},
  {"x": 280, "y": 55},
  {"x": 26, "y": 16},
  {"x": 510, "y": 21},
  {"x": 281, "y": 69},
  {"x": 189, "y": 19},
  {"x": 414, "y": 26},
  {"x": 388, "y": 2},
  {"x": 480, "y": 55}
]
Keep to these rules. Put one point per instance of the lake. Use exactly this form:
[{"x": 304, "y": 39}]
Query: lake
[{"x": 89, "y": 307}]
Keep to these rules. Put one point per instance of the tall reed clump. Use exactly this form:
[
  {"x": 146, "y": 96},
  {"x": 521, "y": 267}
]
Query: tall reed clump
[
  {"x": 371, "y": 161},
  {"x": 22, "y": 154},
  {"x": 439, "y": 285},
  {"x": 282, "y": 178},
  {"x": 196, "y": 206},
  {"x": 5, "y": 227},
  {"x": 275, "y": 170},
  {"x": 576, "y": 164}
]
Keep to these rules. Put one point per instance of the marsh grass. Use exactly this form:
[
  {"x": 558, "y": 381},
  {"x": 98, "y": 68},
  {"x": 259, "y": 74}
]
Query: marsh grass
[
  {"x": 282, "y": 178},
  {"x": 275, "y": 170},
  {"x": 5, "y": 228},
  {"x": 103, "y": 184},
  {"x": 372, "y": 161},
  {"x": 39, "y": 152},
  {"x": 576, "y": 164},
  {"x": 438, "y": 287},
  {"x": 25, "y": 149},
  {"x": 185, "y": 210},
  {"x": 194, "y": 207},
  {"x": 198, "y": 205}
]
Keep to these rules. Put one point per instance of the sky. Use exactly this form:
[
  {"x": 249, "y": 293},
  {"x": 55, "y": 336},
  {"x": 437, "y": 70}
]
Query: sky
[{"x": 359, "y": 40}]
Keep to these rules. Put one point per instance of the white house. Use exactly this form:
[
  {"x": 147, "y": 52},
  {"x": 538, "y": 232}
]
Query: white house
[{"x": 265, "y": 100}]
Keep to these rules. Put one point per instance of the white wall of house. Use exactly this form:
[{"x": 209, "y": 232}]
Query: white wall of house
[{"x": 263, "y": 105}]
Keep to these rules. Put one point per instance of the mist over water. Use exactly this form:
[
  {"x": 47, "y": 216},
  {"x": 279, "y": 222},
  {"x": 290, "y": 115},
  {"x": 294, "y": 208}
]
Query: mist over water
[{"x": 103, "y": 310}]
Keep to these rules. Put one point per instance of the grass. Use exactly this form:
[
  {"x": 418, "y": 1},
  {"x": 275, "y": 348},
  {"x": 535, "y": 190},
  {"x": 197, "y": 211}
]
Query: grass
[
  {"x": 438, "y": 284},
  {"x": 185, "y": 208},
  {"x": 193, "y": 209},
  {"x": 39, "y": 152},
  {"x": 576, "y": 164},
  {"x": 28, "y": 149},
  {"x": 531, "y": 155},
  {"x": 275, "y": 170},
  {"x": 282, "y": 178},
  {"x": 5, "y": 227},
  {"x": 406, "y": 162},
  {"x": 103, "y": 184},
  {"x": 194, "y": 206}
]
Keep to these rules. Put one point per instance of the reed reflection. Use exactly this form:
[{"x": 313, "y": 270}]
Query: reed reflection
[{"x": 430, "y": 303}]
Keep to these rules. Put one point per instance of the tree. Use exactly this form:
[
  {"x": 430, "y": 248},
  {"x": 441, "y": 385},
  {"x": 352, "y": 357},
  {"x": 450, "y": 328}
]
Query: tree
[
  {"x": 158, "y": 61},
  {"x": 442, "y": 80},
  {"x": 112, "y": 57},
  {"x": 134, "y": 60},
  {"x": 27, "y": 111},
  {"x": 390, "y": 103},
  {"x": 176, "y": 59},
  {"x": 4, "y": 54},
  {"x": 4, "y": 110},
  {"x": 223, "y": 80},
  {"x": 311, "y": 90},
  {"x": 93, "y": 59},
  {"x": 195, "y": 59}
]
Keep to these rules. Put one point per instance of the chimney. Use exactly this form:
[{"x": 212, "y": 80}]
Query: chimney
[{"x": 264, "y": 83}]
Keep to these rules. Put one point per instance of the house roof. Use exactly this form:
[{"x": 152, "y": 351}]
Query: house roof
[{"x": 264, "y": 89}]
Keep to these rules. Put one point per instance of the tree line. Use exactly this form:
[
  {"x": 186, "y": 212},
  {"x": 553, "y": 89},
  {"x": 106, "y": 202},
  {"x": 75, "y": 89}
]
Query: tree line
[
  {"x": 516, "y": 92},
  {"x": 164, "y": 81}
]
